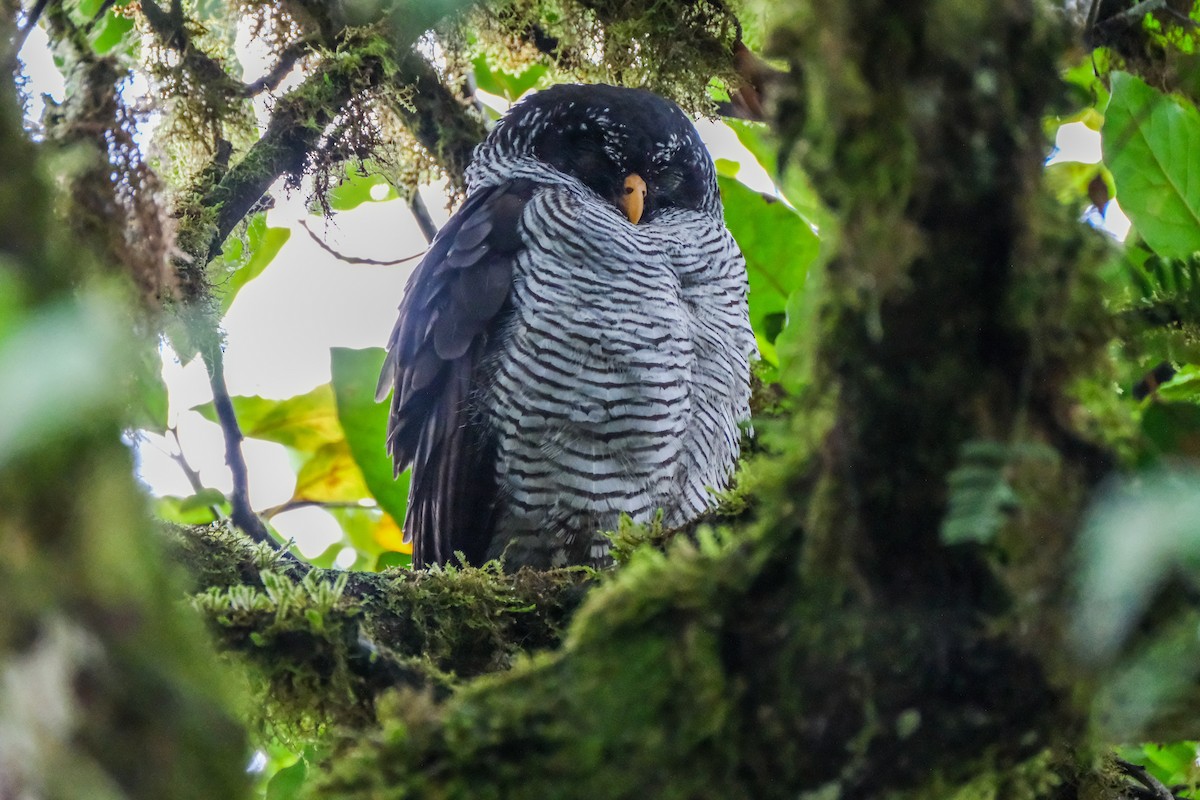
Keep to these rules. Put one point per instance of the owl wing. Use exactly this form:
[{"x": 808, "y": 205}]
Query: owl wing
[{"x": 456, "y": 298}]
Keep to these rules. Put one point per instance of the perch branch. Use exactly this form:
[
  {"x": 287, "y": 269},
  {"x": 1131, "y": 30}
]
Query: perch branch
[{"x": 386, "y": 629}]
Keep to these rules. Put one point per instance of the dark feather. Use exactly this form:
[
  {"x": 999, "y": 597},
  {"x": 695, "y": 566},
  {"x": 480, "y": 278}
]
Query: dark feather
[{"x": 454, "y": 300}]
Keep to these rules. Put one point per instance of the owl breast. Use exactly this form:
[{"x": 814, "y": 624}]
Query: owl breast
[{"x": 616, "y": 383}]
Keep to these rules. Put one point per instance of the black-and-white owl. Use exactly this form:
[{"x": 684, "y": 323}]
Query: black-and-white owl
[{"x": 575, "y": 344}]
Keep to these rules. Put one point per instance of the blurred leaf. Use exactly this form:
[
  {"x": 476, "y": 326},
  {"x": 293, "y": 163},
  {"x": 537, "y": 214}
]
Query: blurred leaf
[
  {"x": 1184, "y": 387},
  {"x": 796, "y": 345},
  {"x": 1173, "y": 763},
  {"x": 328, "y": 556},
  {"x": 194, "y": 510},
  {"x": 389, "y": 536},
  {"x": 358, "y": 187},
  {"x": 151, "y": 403},
  {"x": 391, "y": 560},
  {"x": 12, "y": 297},
  {"x": 1158, "y": 673},
  {"x": 360, "y": 525},
  {"x": 330, "y": 475},
  {"x": 287, "y": 782},
  {"x": 242, "y": 261},
  {"x": 113, "y": 30},
  {"x": 355, "y": 373},
  {"x": 779, "y": 247},
  {"x": 506, "y": 84},
  {"x": 1090, "y": 91},
  {"x": 1138, "y": 532},
  {"x": 58, "y": 368},
  {"x": 980, "y": 498},
  {"x": 305, "y": 422},
  {"x": 1173, "y": 428},
  {"x": 1150, "y": 143},
  {"x": 1073, "y": 181}
]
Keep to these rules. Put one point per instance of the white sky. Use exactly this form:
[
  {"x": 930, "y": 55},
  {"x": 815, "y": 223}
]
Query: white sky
[{"x": 281, "y": 325}]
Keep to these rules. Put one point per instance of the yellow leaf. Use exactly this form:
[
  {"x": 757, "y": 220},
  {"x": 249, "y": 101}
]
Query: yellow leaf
[
  {"x": 331, "y": 475},
  {"x": 390, "y": 537}
]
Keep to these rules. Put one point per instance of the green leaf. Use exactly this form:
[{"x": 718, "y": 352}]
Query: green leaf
[
  {"x": 151, "y": 406},
  {"x": 506, "y": 84},
  {"x": 305, "y": 422},
  {"x": 355, "y": 373},
  {"x": 1183, "y": 387},
  {"x": 241, "y": 262},
  {"x": 112, "y": 32},
  {"x": 195, "y": 510},
  {"x": 1150, "y": 143},
  {"x": 793, "y": 183},
  {"x": 61, "y": 369},
  {"x": 393, "y": 560},
  {"x": 358, "y": 187},
  {"x": 980, "y": 498},
  {"x": 369, "y": 531},
  {"x": 1173, "y": 428},
  {"x": 287, "y": 783},
  {"x": 779, "y": 247}
]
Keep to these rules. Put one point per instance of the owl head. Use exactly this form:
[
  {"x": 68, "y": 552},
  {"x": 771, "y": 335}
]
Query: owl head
[{"x": 631, "y": 147}]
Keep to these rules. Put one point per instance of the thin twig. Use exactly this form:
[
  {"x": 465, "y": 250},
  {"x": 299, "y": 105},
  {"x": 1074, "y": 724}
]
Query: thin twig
[
  {"x": 179, "y": 458},
  {"x": 292, "y": 505},
  {"x": 421, "y": 212},
  {"x": 193, "y": 477},
  {"x": 374, "y": 262}
]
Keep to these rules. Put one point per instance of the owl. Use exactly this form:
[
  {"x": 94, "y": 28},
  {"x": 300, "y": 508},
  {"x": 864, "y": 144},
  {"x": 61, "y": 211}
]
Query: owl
[{"x": 575, "y": 345}]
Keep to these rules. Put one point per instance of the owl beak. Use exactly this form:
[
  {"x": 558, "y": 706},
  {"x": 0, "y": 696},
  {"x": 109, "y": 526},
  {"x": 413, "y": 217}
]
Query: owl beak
[{"x": 633, "y": 202}]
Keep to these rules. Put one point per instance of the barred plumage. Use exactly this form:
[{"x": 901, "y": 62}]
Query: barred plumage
[{"x": 556, "y": 363}]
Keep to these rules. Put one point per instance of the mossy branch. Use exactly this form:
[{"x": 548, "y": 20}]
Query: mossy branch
[{"x": 329, "y": 641}]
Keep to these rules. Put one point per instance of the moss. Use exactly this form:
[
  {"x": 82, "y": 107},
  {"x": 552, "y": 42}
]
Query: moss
[
  {"x": 323, "y": 645},
  {"x": 673, "y": 49}
]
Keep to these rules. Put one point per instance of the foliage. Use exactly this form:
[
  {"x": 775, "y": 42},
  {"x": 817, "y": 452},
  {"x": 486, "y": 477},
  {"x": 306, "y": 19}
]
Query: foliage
[{"x": 965, "y": 555}]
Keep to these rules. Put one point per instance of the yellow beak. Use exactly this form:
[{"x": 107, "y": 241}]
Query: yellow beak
[{"x": 634, "y": 199}]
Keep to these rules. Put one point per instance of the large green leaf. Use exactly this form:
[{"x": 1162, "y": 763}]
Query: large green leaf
[
  {"x": 199, "y": 509},
  {"x": 358, "y": 187},
  {"x": 288, "y": 782},
  {"x": 1151, "y": 144},
  {"x": 242, "y": 261},
  {"x": 779, "y": 247},
  {"x": 305, "y": 422},
  {"x": 364, "y": 421},
  {"x": 500, "y": 82},
  {"x": 792, "y": 182}
]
